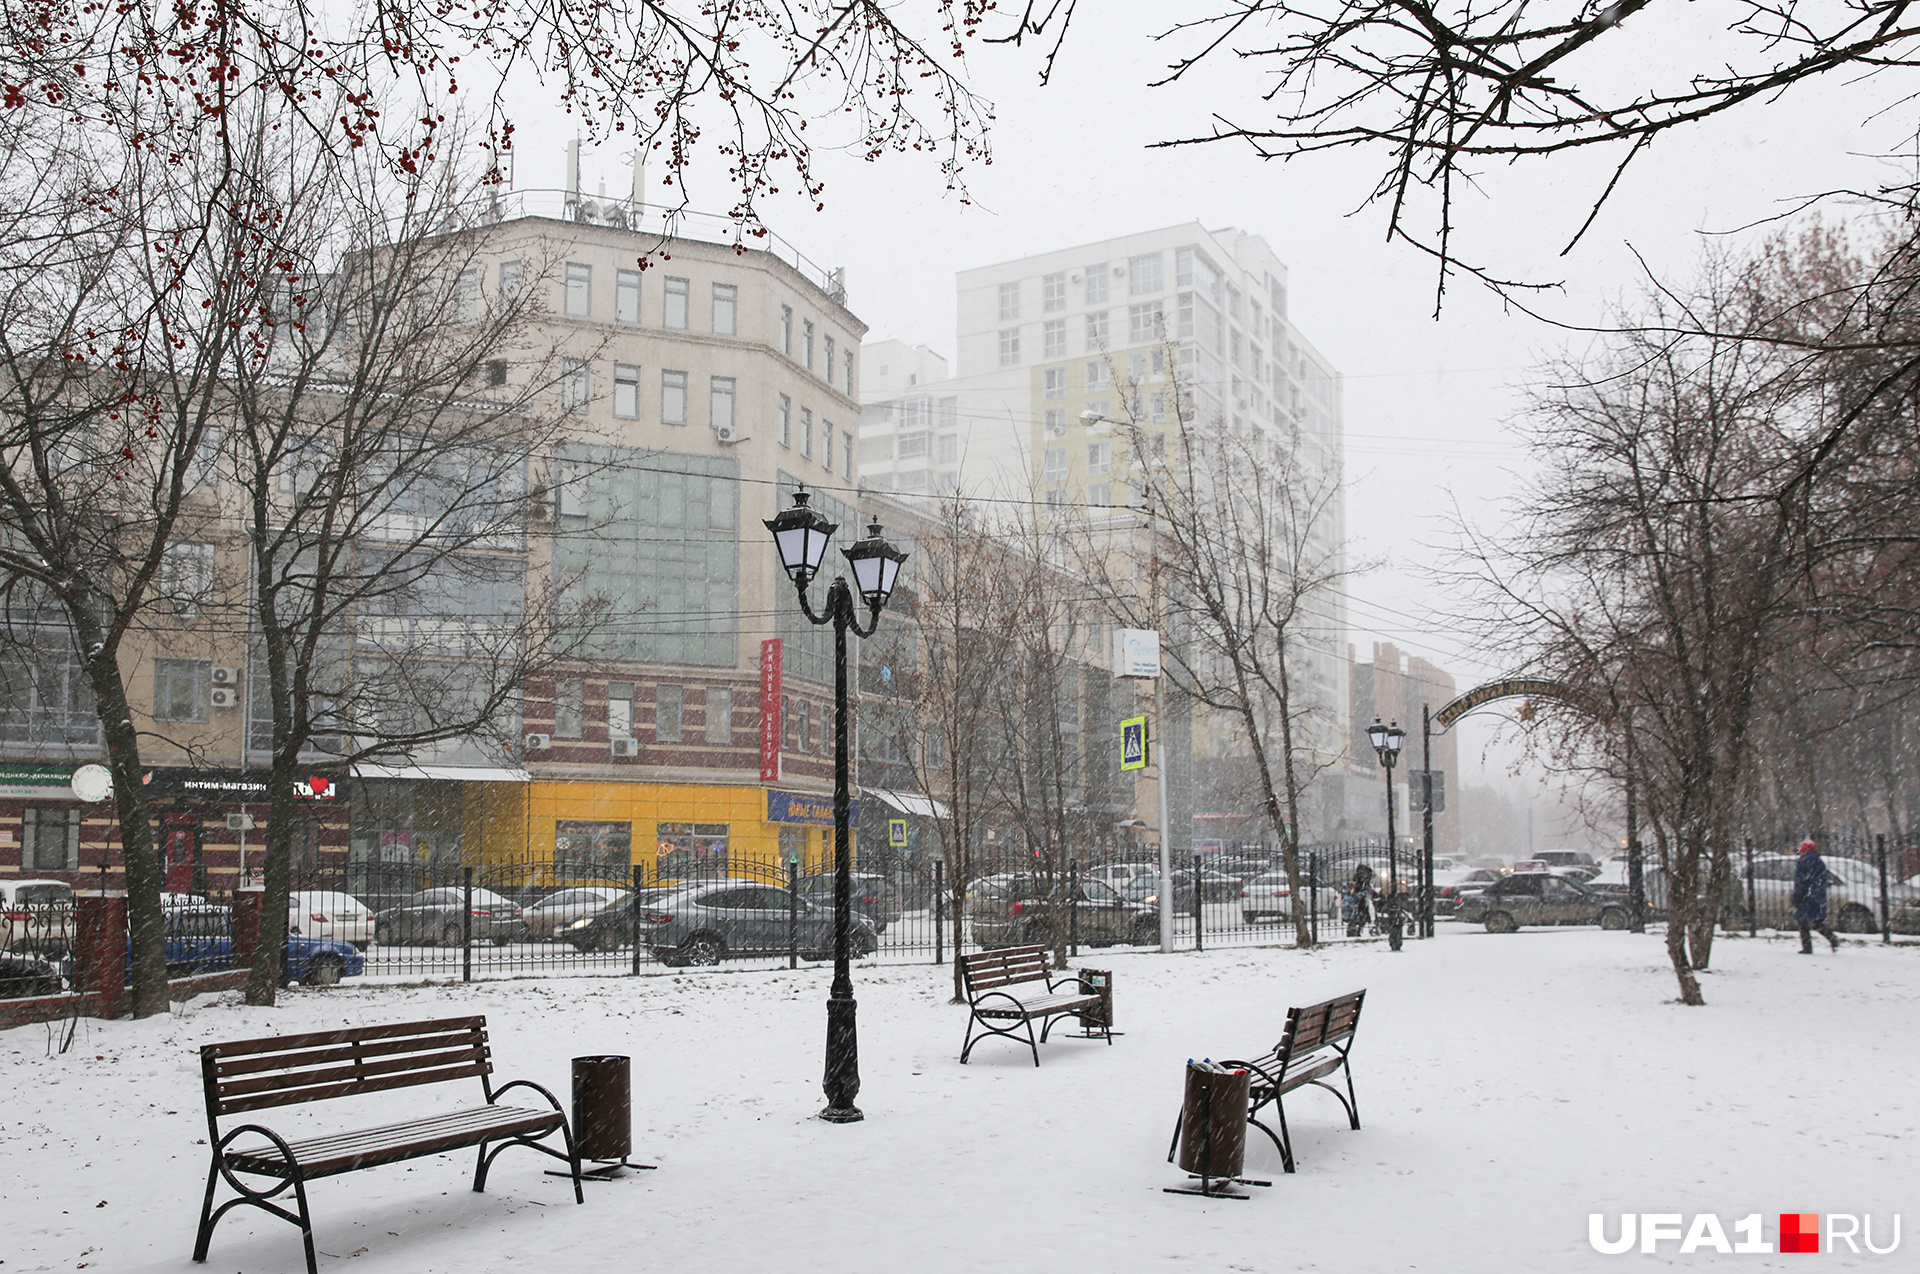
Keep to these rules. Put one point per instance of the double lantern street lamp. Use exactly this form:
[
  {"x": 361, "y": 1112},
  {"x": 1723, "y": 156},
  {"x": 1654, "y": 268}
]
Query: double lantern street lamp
[
  {"x": 801, "y": 534},
  {"x": 1386, "y": 740}
]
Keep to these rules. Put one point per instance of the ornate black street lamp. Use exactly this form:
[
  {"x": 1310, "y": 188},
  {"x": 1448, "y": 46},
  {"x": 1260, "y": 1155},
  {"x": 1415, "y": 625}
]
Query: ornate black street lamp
[
  {"x": 801, "y": 534},
  {"x": 1386, "y": 740}
]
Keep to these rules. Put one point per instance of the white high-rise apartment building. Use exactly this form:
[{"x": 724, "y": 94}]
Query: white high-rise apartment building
[{"x": 1117, "y": 329}]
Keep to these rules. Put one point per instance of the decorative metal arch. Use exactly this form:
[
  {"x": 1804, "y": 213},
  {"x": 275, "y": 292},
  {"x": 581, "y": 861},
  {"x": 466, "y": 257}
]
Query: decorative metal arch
[{"x": 1519, "y": 688}]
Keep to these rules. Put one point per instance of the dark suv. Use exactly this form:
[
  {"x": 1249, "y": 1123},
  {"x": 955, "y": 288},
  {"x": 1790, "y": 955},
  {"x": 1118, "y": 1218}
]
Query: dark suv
[
  {"x": 1012, "y": 911},
  {"x": 1539, "y": 898},
  {"x": 873, "y": 896}
]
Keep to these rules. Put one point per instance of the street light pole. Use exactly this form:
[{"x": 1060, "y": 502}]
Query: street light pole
[
  {"x": 801, "y": 534},
  {"x": 1386, "y": 740}
]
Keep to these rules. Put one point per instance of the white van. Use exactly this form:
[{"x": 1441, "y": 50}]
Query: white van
[{"x": 330, "y": 915}]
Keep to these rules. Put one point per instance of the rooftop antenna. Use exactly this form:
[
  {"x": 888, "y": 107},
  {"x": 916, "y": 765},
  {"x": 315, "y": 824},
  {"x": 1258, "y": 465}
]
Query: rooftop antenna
[{"x": 572, "y": 200}]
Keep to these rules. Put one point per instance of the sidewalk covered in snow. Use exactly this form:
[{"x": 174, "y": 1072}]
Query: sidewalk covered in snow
[{"x": 1509, "y": 1086}]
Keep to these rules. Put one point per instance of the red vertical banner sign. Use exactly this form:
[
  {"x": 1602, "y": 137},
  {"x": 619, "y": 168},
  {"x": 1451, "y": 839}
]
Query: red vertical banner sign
[{"x": 770, "y": 711}]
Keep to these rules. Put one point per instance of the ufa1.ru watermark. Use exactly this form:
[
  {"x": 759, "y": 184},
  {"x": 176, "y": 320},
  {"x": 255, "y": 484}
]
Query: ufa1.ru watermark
[{"x": 1654, "y": 1232}]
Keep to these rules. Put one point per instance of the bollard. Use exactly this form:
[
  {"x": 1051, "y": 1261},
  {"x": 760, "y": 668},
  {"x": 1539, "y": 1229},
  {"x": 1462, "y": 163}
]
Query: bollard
[
  {"x": 247, "y": 903},
  {"x": 466, "y": 924},
  {"x": 100, "y": 951}
]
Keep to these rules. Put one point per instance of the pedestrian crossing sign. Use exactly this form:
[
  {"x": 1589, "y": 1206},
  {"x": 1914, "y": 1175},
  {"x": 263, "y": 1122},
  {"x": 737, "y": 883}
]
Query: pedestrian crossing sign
[
  {"x": 897, "y": 832},
  {"x": 1133, "y": 743}
]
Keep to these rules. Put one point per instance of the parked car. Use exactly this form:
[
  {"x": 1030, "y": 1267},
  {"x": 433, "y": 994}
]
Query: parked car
[
  {"x": 437, "y": 916},
  {"x": 329, "y": 914},
  {"x": 36, "y": 916},
  {"x": 873, "y": 896},
  {"x": 23, "y": 975},
  {"x": 1022, "y": 911},
  {"x": 550, "y": 917},
  {"x": 705, "y": 923},
  {"x": 1269, "y": 896},
  {"x": 1120, "y": 875},
  {"x": 1540, "y": 898},
  {"x": 1569, "y": 860},
  {"x": 1213, "y": 888},
  {"x": 1450, "y": 886},
  {"x": 200, "y": 940},
  {"x": 1853, "y": 894}
]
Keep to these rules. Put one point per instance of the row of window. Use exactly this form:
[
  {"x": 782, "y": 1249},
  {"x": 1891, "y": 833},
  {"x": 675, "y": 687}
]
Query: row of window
[
  {"x": 577, "y": 393},
  {"x": 1146, "y": 323},
  {"x": 1143, "y": 274},
  {"x": 797, "y": 716}
]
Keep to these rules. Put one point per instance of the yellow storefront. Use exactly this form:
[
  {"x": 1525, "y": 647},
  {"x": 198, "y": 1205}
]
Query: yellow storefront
[{"x": 583, "y": 827}]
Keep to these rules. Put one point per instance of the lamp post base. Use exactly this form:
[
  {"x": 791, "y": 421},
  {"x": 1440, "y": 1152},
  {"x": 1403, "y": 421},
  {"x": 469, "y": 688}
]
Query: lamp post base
[{"x": 842, "y": 1115}]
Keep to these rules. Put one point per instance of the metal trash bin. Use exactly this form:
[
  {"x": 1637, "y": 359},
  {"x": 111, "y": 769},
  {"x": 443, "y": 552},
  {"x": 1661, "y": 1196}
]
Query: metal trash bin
[
  {"x": 1213, "y": 1130},
  {"x": 603, "y": 1113}
]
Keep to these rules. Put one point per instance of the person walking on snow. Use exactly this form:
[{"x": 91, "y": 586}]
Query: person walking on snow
[{"x": 1810, "y": 898}]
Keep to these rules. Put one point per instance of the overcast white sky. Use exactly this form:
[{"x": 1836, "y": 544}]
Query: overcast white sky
[{"x": 1426, "y": 400}]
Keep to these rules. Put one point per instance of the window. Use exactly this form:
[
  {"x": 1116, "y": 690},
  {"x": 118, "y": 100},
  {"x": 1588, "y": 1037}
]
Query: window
[
  {"x": 180, "y": 689},
  {"x": 579, "y": 290},
  {"x": 186, "y": 577},
  {"x": 806, "y": 726},
  {"x": 1145, "y": 323},
  {"x": 1009, "y": 346},
  {"x": 826, "y": 445},
  {"x": 1157, "y": 448},
  {"x": 575, "y": 385},
  {"x": 619, "y": 709},
  {"x": 720, "y": 402},
  {"x": 673, "y": 398},
  {"x": 806, "y": 432},
  {"x": 827, "y": 349},
  {"x": 1009, "y": 302},
  {"x": 1096, "y": 283},
  {"x": 1054, "y": 421},
  {"x": 50, "y": 839},
  {"x": 1053, "y": 383},
  {"x": 849, "y": 363},
  {"x": 626, "y": 296},
  {"x": 510, "y": 275},
  {"x": 726, "y": 309},
  {"x": 787, "y": 723},
  {"x": 719, "y": 716},
  {"x": 846, "y": 453},
  {"x": 1053, "y": 467},
  {"x": 1057, "y": 498},
  {"x": 949, "y": 449},
  {"x": 1100, "y": 407},
  {"x": 1143, "y": 275},
  {"x": 806, "y": 341},
  {"x": 786, "y": 330},
  {"x": 1053, "y": 338},
  {"x": 496, "y": 372},
  {"x": 569, "y": 708},
  {"x": 626, "y": 391},
  {"x": 674, "y": 314},
  {"x": 1099, "y": 457},
  {"x": 912, "y": 446},
  {"x": 1097, "y": 329},
  {"x": 300, "y": 465},
  {"x": 1099, "y": 376},
  {"x": 466, "y": 295},
  {"x": 1053, "y": 292},
  {"x": 1100, "y": 495},
  {"x": 786, "y": 421}
]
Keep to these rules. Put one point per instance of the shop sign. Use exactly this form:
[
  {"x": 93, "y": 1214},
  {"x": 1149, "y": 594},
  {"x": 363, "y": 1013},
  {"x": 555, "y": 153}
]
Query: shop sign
[
  {"x": 770, "y": 722},
  {"x": 1136, "y": 652},
  {"x": 36, "y": 783},
  {"x": 249, "y": 786},
  {"x": 800, "y": 807}
]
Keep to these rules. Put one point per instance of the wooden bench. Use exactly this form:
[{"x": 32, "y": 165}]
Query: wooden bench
[
  {"x": 986, "y": 977},
  {"x": 1317, "y": 1043},
  {"x": 296, "y": 1070}
]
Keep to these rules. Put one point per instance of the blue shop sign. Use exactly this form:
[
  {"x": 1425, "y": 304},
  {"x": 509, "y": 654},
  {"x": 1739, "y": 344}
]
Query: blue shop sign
[{"x": 803, "y": 807}]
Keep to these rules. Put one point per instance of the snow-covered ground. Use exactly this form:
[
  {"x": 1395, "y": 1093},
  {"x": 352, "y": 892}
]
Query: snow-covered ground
[{"x": 1508, "y": 1085}]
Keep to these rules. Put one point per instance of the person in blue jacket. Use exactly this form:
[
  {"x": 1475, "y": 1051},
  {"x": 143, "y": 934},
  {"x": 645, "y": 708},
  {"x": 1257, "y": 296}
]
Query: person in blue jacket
[{"x": 1810, "y": 898}]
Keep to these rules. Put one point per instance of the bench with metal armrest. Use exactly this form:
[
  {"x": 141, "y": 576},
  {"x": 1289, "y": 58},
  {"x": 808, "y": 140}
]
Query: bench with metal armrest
[{"x": 1010, "y": 989}]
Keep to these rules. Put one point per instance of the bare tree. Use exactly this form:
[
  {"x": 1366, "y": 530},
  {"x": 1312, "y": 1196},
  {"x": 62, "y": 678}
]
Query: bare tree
[
  {"x": 386, "y": 487},
  {"x": 1245, "y": 552}
]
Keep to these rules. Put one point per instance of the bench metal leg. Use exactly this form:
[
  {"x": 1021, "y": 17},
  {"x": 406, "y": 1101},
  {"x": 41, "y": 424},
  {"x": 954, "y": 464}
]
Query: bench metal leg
[
  {"x": 987, "y": 1029},
  {"x": 246, "y": 1196},
  {"x": 571, "y": 1158}
]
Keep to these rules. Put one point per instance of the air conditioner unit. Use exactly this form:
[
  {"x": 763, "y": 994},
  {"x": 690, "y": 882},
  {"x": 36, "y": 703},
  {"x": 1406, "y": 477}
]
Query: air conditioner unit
[
  {"x": 539, "y": 742},
  {"x": 728, "y": 435},
  {"x": 226, "y": 676},
  {"x": 224, "y": 698},
  {"x": 240, "y": 822},
  {"x": 1076, "y": 278},
  {"x": 624, "y": 747}
]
